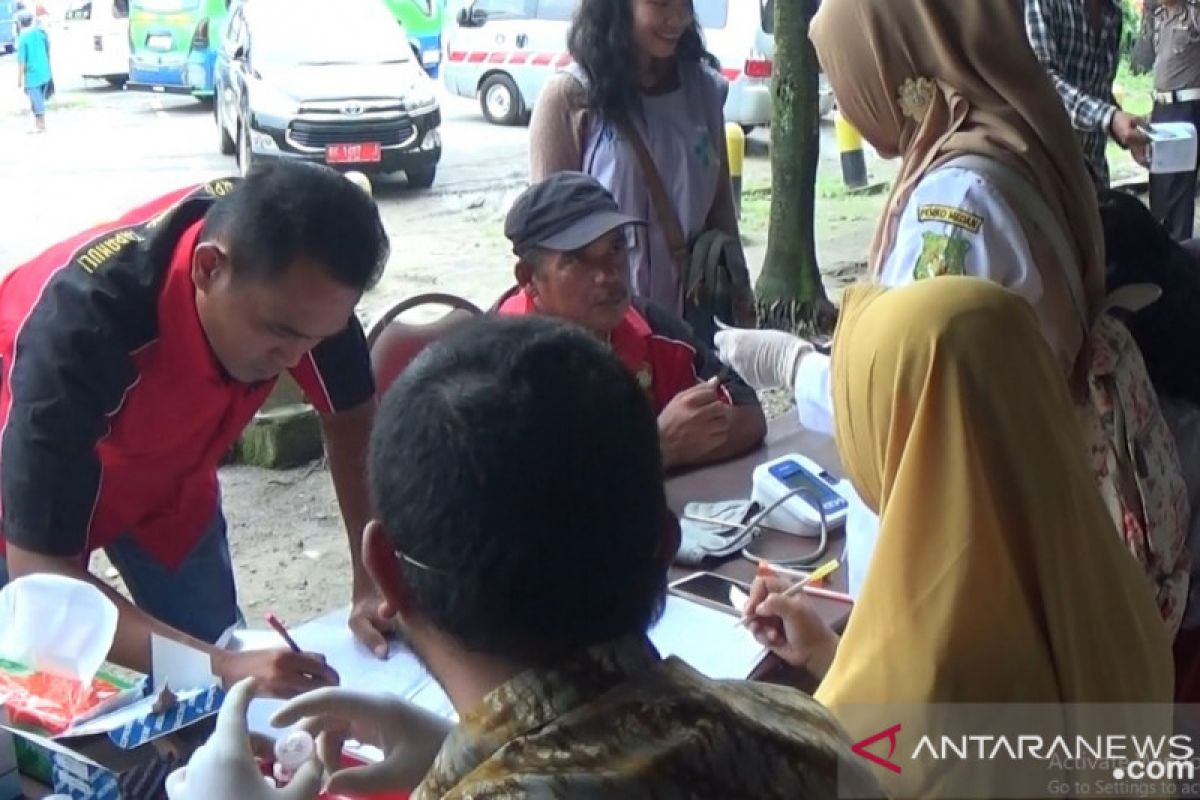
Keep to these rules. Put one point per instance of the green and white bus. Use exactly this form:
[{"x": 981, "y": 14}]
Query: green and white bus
[{"x": 173, "y": 44}]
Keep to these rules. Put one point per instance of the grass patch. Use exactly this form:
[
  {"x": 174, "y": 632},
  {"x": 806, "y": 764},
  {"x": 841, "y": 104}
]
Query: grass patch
[
  {"x": 836, "y": 209},
  {"x": 1135, "y": 93}
]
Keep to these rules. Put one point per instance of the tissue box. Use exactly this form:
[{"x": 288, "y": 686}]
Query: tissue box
[
  {"x": 51, "y": 705},
  {"x": 123, "y": 755},
  {"x": 1172, "y": 147},
  {"x": 10, "y": 782}
]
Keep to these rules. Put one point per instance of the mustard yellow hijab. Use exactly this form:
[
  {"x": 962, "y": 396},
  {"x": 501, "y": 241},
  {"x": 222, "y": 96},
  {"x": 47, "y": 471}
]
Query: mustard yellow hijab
[
  {"x": 928, "y": 80},
  {"x": 995, "y": 577}
]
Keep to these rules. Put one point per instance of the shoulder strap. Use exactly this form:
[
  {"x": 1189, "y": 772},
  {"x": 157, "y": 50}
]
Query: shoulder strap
[
  {"x": 1019, "y": 191},
  {"x": 667, "y": 216}
]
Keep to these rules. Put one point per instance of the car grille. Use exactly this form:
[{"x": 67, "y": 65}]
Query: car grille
[{"x": 389, "y": 133}]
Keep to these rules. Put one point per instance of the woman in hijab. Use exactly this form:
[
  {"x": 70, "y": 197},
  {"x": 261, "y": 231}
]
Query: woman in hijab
[
  {"x": 991, "y": 184},
  {"x": 992, "y": 583},
  {"x": 931, "y": 82}
]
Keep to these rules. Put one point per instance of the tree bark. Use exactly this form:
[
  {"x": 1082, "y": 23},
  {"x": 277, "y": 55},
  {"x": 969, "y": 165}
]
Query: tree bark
[{"x": 790, "y": 294}]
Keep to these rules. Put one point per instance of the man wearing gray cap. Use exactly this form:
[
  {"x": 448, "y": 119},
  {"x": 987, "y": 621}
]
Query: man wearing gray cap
[{"x": 571, "y": 243}]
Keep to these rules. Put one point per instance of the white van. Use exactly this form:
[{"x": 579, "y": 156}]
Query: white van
[
  {"x": 504, "y": 51},
  {"x": 95, "y": 39}
]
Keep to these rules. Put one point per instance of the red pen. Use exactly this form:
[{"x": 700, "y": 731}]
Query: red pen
[{"x": 274, "y": 622}]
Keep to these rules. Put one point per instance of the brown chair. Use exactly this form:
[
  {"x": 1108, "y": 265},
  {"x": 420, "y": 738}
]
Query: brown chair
[{"x": 394, "y": 344}]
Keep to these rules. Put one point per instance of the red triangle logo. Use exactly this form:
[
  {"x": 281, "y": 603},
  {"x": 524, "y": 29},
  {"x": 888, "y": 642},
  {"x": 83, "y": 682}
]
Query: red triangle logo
[{"x": 860, "y": 748}]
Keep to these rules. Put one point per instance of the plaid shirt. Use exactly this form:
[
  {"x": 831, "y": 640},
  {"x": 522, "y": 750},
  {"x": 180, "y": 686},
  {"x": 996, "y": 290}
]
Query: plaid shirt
[{"x": 1083, "y": 66}]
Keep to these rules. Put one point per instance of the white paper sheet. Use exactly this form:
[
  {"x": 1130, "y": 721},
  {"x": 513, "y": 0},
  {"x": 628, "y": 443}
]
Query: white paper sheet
[
  {"x": 401, "y": 674},
  {"x": 706, "y": 639},
  {"x": 701, "y": 636}
]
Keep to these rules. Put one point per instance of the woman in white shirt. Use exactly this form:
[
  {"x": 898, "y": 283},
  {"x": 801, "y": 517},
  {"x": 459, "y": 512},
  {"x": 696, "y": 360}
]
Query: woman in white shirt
[{"x": 932, "y": 81}]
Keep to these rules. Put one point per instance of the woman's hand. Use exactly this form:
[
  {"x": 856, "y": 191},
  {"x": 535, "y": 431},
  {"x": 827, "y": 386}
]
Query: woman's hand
[{"x": 789, "y": 627}]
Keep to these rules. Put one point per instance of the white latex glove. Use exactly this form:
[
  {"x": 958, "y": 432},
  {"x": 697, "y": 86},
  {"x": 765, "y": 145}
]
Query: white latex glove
[
  {"x": 224, "y": 767},
  {"x": 764, "y": 359},
  {"x": 409, "y": 736}
]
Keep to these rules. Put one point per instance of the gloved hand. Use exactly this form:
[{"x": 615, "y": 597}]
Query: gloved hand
[
  {"x": 764, "y": 359},
  {"x": 224, "y": 766},
  {"x": 409, "y": 736}
]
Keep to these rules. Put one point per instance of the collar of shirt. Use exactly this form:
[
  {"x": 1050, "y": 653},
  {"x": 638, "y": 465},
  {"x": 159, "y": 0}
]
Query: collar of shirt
[
  {"x": 532, "y": 700},
  {"x": 630, "y": 340},
  {"x": 180, "y": 331}
]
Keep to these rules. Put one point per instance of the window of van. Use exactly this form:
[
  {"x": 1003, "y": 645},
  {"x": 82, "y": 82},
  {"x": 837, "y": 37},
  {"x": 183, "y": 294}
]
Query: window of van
[
  {"x": 79, "y": 11},
  {"x": 711, "y": 13},
  {"x": 121, "y": 9},
  {"x": 506, "y": 9},
  {"x": 559, "y": 10}
]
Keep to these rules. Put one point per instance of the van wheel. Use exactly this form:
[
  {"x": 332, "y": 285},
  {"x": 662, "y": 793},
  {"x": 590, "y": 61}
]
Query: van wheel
[
  {"x": 500, "y": 101},
  {"x": 225, "y": 142},
  {"x": 117, "y": 81}
]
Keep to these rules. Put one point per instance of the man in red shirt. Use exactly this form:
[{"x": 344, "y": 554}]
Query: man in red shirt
[
  {"x": 132, "y": 356},
  {"x": 570, "y": 240}
]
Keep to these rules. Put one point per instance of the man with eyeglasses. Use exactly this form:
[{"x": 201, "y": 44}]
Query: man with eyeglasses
[{"x": 571, "y": 244}]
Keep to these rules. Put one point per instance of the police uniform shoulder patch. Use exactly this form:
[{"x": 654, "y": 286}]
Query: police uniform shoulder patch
[
  {"x": 950, "y": 215},
  {"x": 941, "y": 254}
]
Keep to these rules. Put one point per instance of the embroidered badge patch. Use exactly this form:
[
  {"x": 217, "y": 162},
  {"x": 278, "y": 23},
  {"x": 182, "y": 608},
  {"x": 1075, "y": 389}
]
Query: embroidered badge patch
[
  {"x": 951, "y": 216},
  {"x": 941, "y": 254}
]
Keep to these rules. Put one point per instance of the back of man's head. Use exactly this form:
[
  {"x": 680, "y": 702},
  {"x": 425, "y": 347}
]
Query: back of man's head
[
  {"x": 287, "y": 211},
  {"x": 518, "y": 462}
]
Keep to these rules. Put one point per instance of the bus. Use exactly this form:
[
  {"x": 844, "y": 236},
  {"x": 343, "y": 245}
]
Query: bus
[
  {"x": 422, "y": 21},
  {"x": 173, "y": 45}
]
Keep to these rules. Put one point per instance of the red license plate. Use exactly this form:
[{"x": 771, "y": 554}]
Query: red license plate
[{"x": 364, "y": 153}]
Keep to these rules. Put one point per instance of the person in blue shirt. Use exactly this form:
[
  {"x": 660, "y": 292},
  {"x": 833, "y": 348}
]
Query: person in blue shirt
[{"x": 33, "y": 62}]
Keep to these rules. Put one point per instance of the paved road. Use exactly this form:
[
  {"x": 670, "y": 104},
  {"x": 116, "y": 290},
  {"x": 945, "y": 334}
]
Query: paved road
[{"x": 108, "y": 150}]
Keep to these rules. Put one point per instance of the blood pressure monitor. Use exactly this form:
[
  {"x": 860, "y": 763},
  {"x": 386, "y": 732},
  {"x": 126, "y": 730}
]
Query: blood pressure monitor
[{"x": 811, "y": 490}]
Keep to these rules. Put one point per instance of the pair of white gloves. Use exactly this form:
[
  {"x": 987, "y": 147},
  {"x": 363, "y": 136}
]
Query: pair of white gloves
[
  {"x": 225, "y": 766},
  {"x": 765, "y": 359}
]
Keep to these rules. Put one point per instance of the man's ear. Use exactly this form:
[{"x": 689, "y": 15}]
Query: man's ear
[
  {"x": 523, "y": 272},
  {"x": 383, "y": 565},
  {"x": 208, "y": 265}
]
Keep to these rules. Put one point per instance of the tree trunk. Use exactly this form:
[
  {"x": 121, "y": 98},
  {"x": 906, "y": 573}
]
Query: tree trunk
[
  {"x": 1142, "y": 59},
  {"x": 789, "y": 290}
]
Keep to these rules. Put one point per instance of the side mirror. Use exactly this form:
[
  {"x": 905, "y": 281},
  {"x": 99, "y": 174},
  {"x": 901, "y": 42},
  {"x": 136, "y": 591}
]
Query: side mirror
[{"x": 239, "y": 53}]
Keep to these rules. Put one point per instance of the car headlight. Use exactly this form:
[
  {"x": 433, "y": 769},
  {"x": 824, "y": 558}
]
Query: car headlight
[
  {"x": 270, "y": 102},
  {"x": 262, "y": 142}
]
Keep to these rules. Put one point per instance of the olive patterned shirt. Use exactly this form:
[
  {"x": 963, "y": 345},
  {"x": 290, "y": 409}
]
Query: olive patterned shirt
[{"x": 618, "y": 721}]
